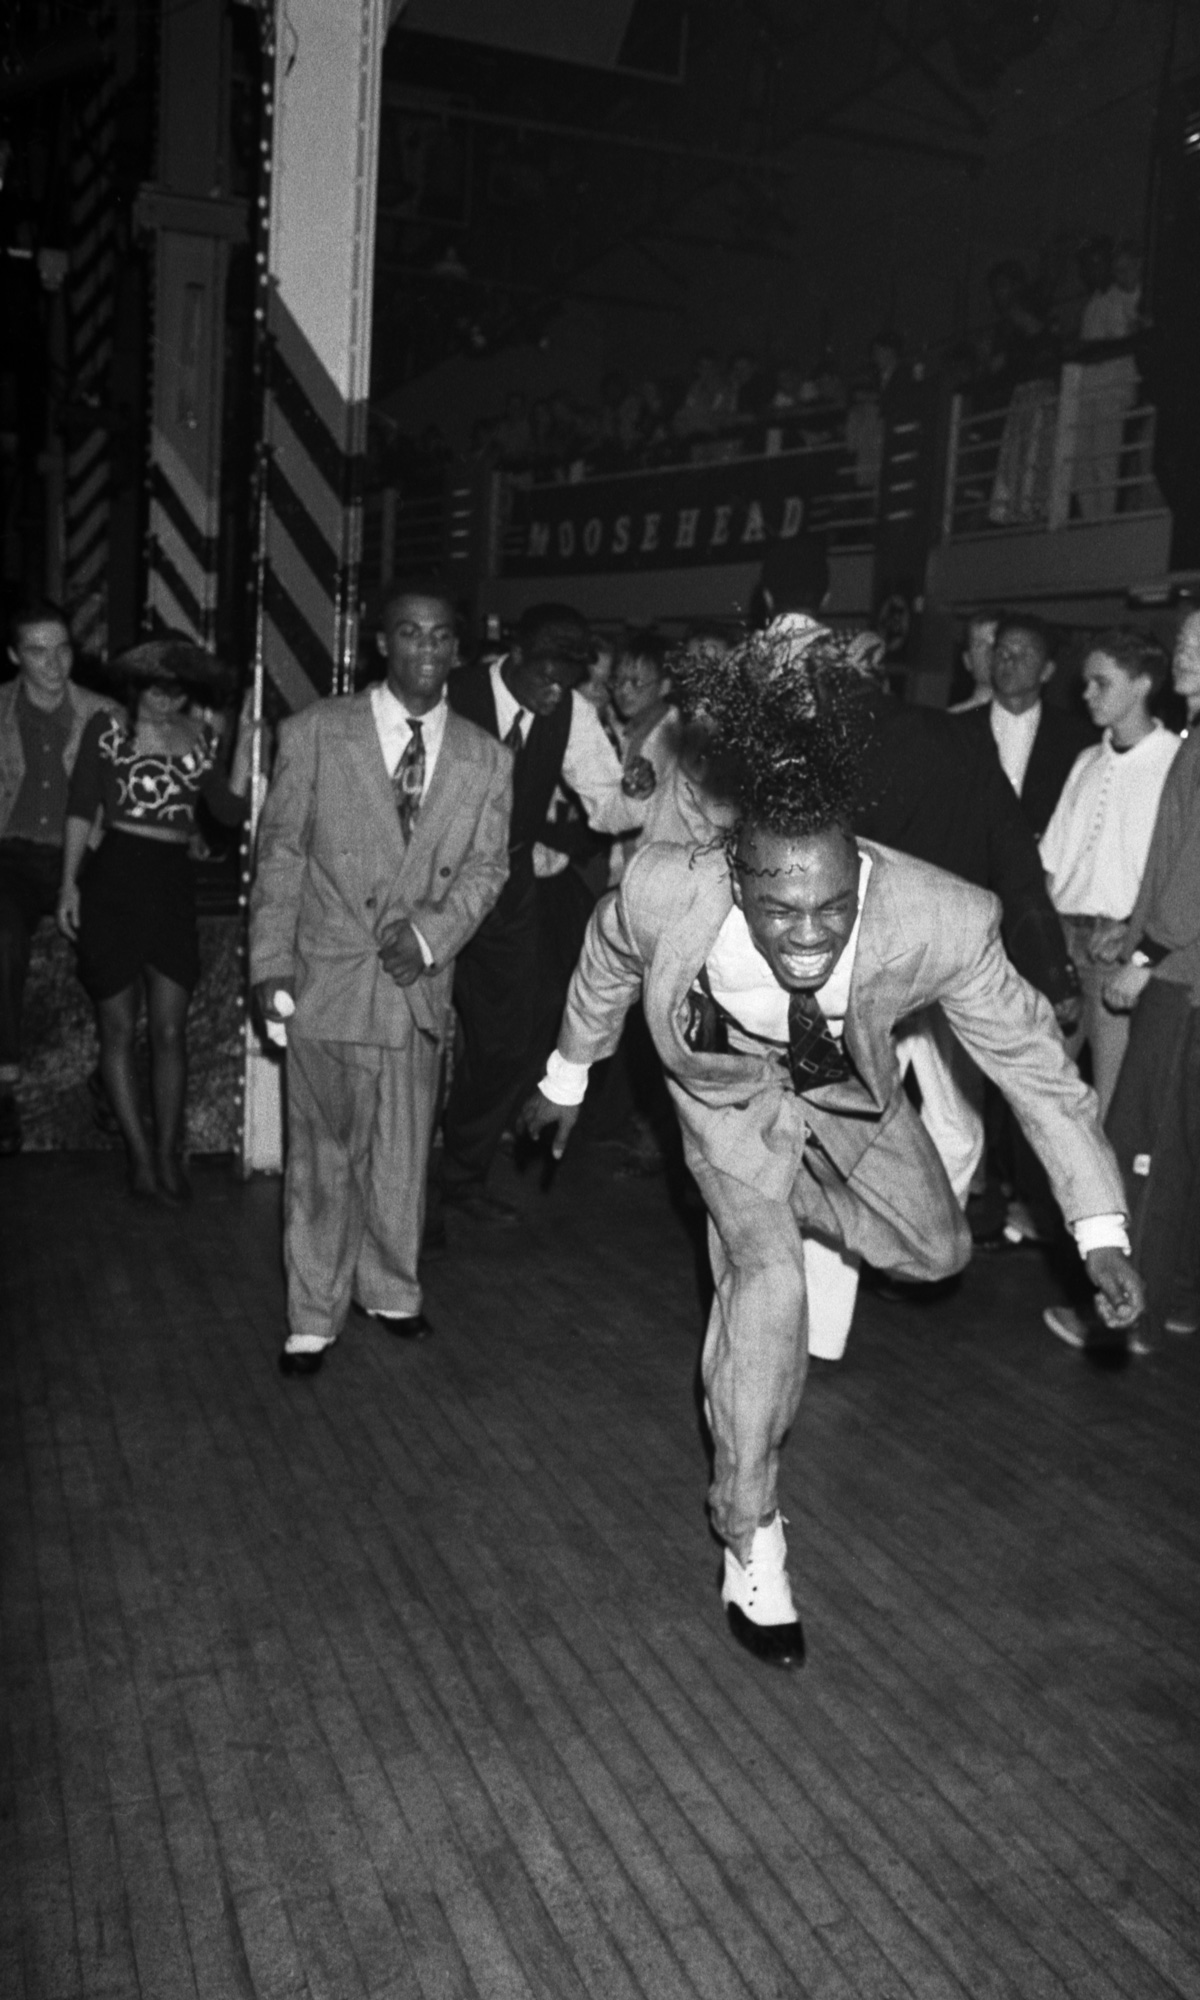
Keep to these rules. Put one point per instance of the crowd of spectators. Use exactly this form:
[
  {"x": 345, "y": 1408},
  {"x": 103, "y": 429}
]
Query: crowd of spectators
[
  {"x": 1012, "y": 384},
  {"x": 721, "y": 409},
  {"x": 1009, "y": 377}
]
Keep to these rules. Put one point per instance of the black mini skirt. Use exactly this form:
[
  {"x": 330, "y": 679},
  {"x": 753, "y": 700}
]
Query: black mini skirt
[{"x": 137, "y": 911}]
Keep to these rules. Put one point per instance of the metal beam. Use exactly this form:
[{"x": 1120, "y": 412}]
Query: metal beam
[
  {"x": 551, "y": 295},
  {"x": 592, "y": 135},
  {"x": 975, "y": 120},
  {"x": 897, "y": 142}
]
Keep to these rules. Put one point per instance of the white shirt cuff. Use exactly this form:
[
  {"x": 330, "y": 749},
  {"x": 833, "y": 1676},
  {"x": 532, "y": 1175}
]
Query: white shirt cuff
[
  {"x": 565, "y": 1082},
  {"x": 426, "y": 954},
  {"x": 1100, "y": 1232}
]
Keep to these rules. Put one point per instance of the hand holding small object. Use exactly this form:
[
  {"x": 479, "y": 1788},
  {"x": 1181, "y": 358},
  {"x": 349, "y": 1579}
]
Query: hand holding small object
[
  {"x": 1124, "y": 988},
  {"x": 1120, "y": 1293},
  {"x": 400, "y": 950},
  {"x": 276, "y": 1003}
]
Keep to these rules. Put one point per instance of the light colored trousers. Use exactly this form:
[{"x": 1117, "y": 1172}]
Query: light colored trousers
[
  {"x": 952, "y": 1114},
  {"x": 1105, "y": 1033},
  {"x": 359, "y": 1129},
  {"x": 896, "y": 1209}
]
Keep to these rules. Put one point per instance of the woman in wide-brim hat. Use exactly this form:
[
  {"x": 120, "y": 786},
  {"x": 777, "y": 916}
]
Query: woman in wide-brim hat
[{"x": 130, "y": 902}]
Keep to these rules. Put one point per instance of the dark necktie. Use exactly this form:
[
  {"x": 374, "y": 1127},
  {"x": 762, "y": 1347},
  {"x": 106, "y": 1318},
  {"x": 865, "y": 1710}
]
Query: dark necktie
[
  {"x": 408, "y": 779},
  {"x": 814, "y": 1056},
  {"x": 516, "y": 737}
]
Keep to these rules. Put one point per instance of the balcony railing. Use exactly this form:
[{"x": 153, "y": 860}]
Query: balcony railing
[{"x": 1058, "y": 455}]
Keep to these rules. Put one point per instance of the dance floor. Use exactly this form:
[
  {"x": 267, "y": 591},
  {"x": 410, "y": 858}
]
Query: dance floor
[{"x": 412, "y": 1680}]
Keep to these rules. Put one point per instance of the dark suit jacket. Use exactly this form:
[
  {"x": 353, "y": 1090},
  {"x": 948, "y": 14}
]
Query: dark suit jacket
[
  {"x": 937, "y": 792},
  {"x": 1060, "y": 738},
  {"x": 333, "y": 871},
  {"x": 81, "y": 706}
]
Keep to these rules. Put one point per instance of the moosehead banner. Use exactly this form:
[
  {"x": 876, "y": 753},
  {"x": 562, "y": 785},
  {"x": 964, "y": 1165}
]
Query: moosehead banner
[{"x": 672, "y": 519}]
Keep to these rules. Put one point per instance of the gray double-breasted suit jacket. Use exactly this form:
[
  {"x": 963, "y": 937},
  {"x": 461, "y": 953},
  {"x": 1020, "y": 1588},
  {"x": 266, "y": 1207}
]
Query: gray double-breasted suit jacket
[
  {"x": 333, "y": 872},
  {"x": 851, "y": 1158}
]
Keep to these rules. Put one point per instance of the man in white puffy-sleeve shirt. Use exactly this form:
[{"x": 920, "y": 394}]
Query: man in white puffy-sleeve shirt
[
  {"x": 527, "y": 699},
  {"x": 1094, "y": 849},
  {"x": 773, "y": 975}
]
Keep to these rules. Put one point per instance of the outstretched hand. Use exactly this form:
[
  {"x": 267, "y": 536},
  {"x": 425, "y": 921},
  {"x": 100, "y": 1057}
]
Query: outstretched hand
[
  {"x": 539, "y": 1115},
  {"x": 1120, "y": 1293}
]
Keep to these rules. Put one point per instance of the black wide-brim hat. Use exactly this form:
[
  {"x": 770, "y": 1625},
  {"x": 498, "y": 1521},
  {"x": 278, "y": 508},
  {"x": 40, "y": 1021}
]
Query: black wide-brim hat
[{"x": 175, "y": 658}]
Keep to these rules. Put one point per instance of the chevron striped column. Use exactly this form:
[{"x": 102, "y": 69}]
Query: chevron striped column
[
  {"x": 316, "y": 273},
  {"x": 182, "y": 582},
  {"x": 312, "y": 522},
  {"x": 90, "y": 301},
  {"x": 320, "y": 267}
]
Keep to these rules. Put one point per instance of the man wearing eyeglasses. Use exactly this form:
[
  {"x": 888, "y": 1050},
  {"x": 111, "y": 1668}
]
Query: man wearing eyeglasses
[{"x": 383, "y": 845}]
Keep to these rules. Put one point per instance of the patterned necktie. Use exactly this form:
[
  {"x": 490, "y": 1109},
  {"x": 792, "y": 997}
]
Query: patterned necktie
[
  {"x": 516, "y": 736},
  {"x": 814, "y": 1055},
  {"x": 408, "y": 779}
]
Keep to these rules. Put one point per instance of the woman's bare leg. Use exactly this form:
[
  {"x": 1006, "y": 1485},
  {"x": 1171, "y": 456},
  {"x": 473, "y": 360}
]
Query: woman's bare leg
[{"x": 168, "y": 1070}]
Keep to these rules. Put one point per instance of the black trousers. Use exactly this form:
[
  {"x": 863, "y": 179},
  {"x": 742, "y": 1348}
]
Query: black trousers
[
  {"x": 496, "y": 995},
  {"x": 1154, "y": 1125},
  {"x": 30, "y": 875}
]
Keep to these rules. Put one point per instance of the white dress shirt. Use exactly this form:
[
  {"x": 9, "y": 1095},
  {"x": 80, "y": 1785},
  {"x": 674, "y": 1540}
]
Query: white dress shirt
[
  {"x": 1014, "y": 736},
  {"x": 1110, "y": 315},
  {"x": 744, "y": 985},
  {"x": 590, "y": 766},
  {"x": 1095, "y": 847},
  {"x": 393, "y": 726}
]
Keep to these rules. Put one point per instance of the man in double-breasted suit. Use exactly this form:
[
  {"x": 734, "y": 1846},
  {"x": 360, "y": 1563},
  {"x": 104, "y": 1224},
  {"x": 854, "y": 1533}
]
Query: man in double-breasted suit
[
  {"x": 773, "y": 977},
  {"x": 383, "y": 845}
]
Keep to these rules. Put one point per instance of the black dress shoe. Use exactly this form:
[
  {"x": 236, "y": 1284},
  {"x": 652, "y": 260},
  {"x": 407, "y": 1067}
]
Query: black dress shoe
[
  {"x": 413, "y": 1326},
  {"x": 775, "y": 1645},
  {"x": 479, "y": 1206},
  {"x": 174, "y": 1188},
  {"x": 309, "y": 1363},
  {"x": 104, "y": 1118}
]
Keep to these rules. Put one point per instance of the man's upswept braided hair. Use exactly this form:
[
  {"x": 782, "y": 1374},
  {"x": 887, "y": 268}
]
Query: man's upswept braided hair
[{"x": 788, "y": 724}]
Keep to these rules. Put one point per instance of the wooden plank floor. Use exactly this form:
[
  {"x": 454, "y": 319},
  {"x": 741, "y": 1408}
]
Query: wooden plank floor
[{"x": 412, "y": 1680}]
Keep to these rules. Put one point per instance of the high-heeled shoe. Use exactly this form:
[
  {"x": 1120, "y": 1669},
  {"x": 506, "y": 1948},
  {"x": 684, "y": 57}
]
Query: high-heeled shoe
[{"x": 174, "y": 1187}]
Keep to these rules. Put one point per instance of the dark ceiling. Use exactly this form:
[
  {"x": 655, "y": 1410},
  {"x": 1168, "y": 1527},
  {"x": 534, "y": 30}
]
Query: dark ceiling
[{"x": 507, "y": 182}]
